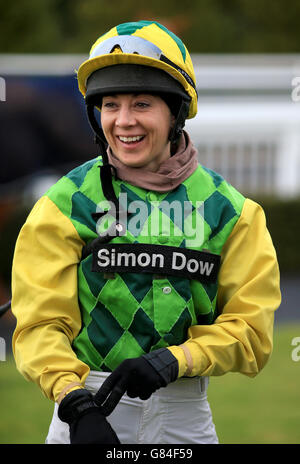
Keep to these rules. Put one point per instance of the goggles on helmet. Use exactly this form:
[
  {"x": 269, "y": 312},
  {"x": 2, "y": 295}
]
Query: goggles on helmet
[{"x": 137, "y": 46}]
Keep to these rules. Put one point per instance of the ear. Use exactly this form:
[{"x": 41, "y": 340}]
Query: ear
[
  {"x": 172, "y": 125},
  {"x": 173, "y": 120}
]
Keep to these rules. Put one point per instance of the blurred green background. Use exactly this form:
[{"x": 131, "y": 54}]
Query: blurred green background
[
  {"x": 206, "y": 26},
  {"x": 265, "y": 409}
]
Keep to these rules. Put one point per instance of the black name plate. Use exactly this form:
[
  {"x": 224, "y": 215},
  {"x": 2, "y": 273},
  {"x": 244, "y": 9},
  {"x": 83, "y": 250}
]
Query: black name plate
[{"x": 156, "y": 259}]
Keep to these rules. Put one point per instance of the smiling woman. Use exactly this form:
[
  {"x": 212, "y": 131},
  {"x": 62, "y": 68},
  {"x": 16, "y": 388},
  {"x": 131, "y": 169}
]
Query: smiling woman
[
  {"x": 137, "y": 129},
  {"x": 123, "y": 336}
]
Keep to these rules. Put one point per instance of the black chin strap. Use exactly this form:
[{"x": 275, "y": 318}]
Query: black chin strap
[
  {"x": 106, "y": 169},
  {"x": 177, "y": 129},
  {"x": 99, "y": 135}
]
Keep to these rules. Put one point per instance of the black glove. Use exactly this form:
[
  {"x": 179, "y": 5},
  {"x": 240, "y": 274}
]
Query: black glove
[
  {"x": 88, "y": 425},
  {"x": 139, "y": 377}
]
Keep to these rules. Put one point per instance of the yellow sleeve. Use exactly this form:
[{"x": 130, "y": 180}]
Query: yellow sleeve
[
  {"x": 44, "y": 300},
  {"x": 241, "y": 338}
]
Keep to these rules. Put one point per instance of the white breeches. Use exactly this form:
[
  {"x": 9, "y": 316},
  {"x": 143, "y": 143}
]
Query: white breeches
[{"x": 176, "y": 414}]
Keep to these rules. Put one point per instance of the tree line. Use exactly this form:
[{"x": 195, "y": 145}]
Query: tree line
[{"x": 206, "y": 26}]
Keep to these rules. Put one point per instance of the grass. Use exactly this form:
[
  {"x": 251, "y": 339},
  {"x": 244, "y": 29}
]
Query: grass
[
  {"x": 264, "y": 409},
  {"x": 261, "y": 410},
  {"x": 25, "y": 412}
]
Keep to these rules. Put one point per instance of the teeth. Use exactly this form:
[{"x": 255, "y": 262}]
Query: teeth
[{"x": 131, "y": 139}]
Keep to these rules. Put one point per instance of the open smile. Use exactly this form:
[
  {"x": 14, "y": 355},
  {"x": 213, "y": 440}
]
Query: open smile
[{"x": 132, "y": 139}]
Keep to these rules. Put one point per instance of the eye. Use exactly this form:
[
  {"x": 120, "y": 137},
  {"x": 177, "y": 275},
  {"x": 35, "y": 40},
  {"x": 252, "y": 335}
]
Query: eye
[
  {"x": 108, "y": 104},
  {"x": 142, "y": 104}
]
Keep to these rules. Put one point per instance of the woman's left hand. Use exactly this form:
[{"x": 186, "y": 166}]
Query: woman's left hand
[{"x": 138, "y": 377}]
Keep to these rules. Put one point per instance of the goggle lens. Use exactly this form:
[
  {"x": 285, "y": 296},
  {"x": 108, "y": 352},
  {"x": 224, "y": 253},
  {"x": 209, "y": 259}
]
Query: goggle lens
[{"x": 127, "y": 44}]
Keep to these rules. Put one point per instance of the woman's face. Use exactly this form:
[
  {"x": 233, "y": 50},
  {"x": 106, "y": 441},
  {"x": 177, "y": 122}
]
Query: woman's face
[{"x": 136, "y": 127}]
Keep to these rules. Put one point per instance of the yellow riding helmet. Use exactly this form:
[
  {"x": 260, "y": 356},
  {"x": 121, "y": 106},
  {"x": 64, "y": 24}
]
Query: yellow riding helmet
[{"x": 145, "y": 43}]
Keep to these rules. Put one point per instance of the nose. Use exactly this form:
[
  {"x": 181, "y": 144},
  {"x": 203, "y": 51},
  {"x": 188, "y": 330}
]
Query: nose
[{"x": 125, "y": 117}]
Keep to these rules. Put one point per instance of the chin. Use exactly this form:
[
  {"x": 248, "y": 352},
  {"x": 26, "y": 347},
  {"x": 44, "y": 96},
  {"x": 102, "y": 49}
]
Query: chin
[{"x": 131, "y": 162}]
